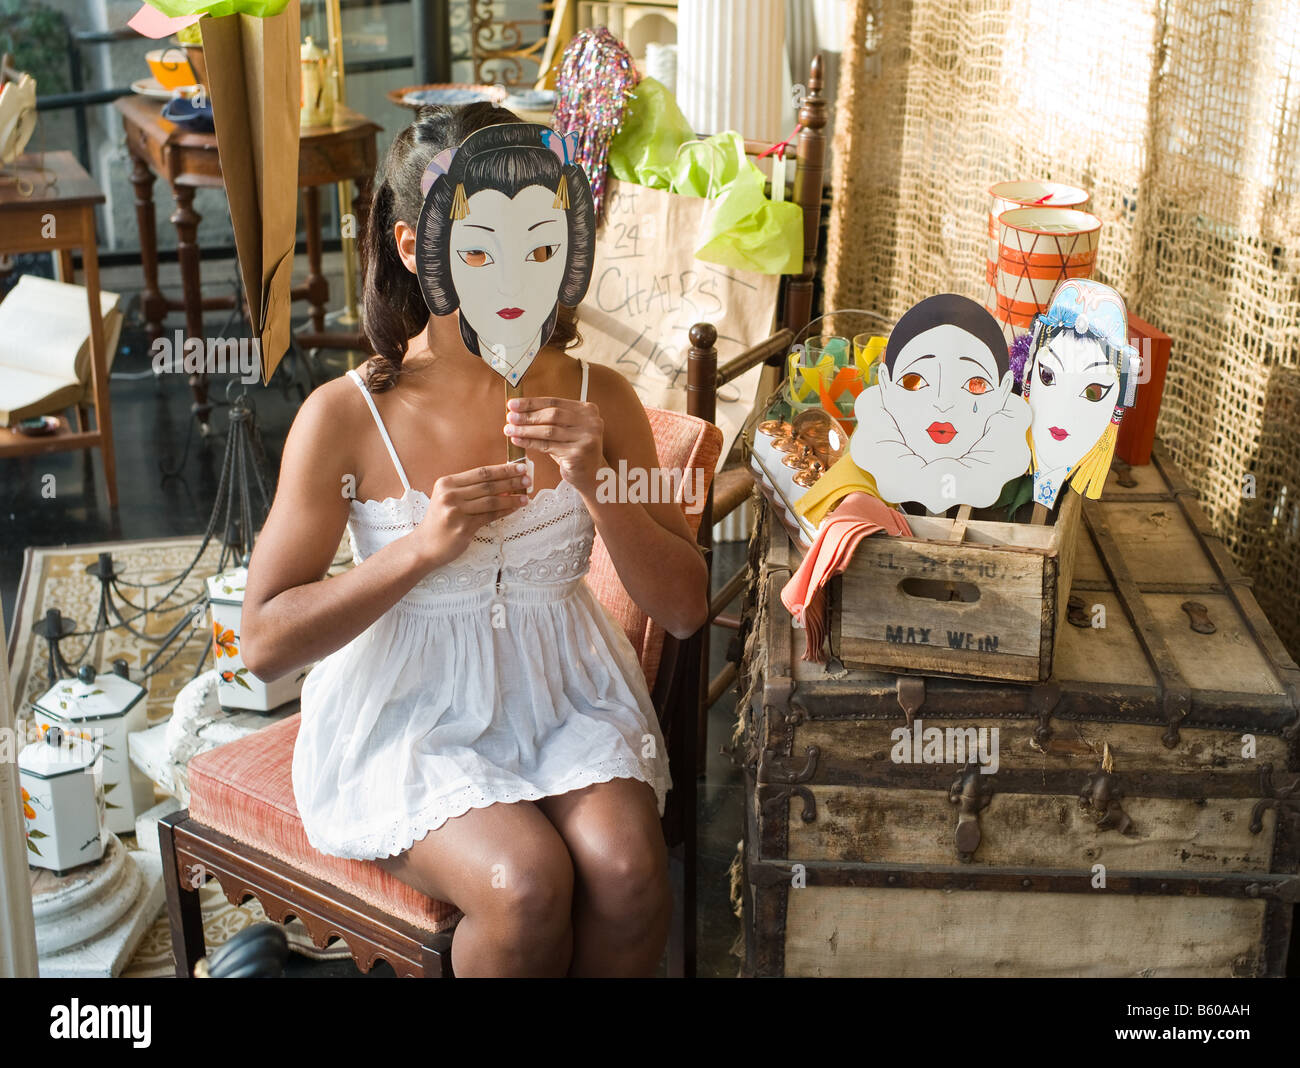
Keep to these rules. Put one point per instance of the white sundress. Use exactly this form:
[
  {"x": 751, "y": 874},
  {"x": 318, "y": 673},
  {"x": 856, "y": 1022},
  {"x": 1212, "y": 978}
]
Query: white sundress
[{"x": 432, "y": 710}]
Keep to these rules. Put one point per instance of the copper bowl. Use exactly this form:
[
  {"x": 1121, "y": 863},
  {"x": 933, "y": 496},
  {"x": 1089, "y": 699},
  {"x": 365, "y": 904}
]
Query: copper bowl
[
  {"x": 774, "y": 428},
  {"x": 815, "y": 428}
]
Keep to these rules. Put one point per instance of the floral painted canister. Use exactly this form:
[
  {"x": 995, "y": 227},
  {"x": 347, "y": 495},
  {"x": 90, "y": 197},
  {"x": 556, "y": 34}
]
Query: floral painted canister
[
  {"x": 63, "y": 801},
  {"x": 237, "y": 687},
  {"x": 104, "y": 708}
]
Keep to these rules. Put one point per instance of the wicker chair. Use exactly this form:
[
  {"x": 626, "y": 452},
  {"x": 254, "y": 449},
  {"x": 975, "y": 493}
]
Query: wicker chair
[{"x": 242, "y": 826}]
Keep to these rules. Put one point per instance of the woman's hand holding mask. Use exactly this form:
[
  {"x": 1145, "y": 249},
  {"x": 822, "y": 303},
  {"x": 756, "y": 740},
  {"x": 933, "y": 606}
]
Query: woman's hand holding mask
[
  {"x": 570, "y": 432},
  {"x": 460, "y": 504}
]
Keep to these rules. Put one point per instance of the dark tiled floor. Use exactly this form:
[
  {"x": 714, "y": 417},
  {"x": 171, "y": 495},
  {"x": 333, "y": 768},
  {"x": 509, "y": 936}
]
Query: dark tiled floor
[
  {"x": 153, "y": 433},
  {"x": 153, "y": 436}
]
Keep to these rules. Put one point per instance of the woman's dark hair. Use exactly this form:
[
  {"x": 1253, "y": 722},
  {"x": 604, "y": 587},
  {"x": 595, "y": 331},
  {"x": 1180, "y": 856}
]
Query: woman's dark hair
[
  {"x": 393, "y": 309},
  {"x": 948, "y": 308}
]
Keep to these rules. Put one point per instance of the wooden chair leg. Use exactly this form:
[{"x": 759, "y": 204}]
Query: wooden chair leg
[
  {"x": 682, "y": 935},
  {"x": 99, "y": 358},
  {"x": 183, "y": 910},
  {"x": 437, "y": 957},
  {"x": 690, "y": 845}
]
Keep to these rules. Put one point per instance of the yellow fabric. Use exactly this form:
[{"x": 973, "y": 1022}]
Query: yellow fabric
[{"x": 841, "y": 478}]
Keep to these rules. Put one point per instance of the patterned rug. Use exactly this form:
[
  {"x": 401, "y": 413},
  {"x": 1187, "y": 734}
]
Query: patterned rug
[{"x": 56, "y": 578}]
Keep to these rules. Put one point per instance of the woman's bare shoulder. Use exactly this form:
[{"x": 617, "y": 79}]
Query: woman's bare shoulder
[
  {"x": 612, "y": 392},
  {"x": 331, "y": 416},
  {"x": 338, "y": 398}
]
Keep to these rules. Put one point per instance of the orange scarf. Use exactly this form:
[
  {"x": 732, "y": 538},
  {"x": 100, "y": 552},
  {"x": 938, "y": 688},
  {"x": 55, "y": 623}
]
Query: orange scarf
[{"x": 858, "y": 516}]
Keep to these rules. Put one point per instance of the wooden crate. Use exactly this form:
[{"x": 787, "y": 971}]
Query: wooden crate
[
  {"x": 1182, "y": 859},
  {"x": 963, "y": 597}
]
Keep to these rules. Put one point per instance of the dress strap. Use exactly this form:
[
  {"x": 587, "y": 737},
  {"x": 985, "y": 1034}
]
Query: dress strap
[
  {"x": 583, "y": 395},
  {"x": 383, "y": 430}
]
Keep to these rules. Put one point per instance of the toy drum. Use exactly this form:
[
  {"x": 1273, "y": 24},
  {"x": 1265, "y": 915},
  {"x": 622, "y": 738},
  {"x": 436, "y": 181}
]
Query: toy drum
[
  {"x": 1038, "y": 248},
  {"x": 1007, "y": 196}
]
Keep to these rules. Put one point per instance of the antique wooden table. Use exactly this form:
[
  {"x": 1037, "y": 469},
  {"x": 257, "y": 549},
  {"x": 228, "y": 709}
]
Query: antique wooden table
[
  {"x": 188, "y": 161},
  {"x": 58, "y": 215},
  {"x": 1136, "y": 814}
]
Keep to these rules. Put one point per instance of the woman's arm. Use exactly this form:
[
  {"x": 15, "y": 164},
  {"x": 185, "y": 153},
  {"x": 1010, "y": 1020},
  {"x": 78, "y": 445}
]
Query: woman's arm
[
  {"x": 292, "y": 615},
  {"x": 650, "y": 544}
]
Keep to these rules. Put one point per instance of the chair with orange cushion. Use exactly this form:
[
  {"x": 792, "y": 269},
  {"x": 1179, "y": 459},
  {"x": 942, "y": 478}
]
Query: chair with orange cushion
[{"x": 242, "y": 826}]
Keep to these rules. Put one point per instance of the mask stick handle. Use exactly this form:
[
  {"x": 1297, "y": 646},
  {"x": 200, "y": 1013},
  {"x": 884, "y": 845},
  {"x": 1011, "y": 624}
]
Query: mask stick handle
[{"x": 513, "y": 452}]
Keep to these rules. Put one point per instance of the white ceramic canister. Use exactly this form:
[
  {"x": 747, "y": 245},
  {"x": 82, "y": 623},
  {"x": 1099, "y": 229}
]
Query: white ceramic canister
[
  {"x": 104, "y": 708},
  {"x": 237, "y": 687},
  {"x": 63, "y": 801}
]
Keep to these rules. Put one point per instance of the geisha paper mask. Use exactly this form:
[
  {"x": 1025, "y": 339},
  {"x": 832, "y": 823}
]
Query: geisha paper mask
[
  {"x": 942, "y": 425},
  {"x": 506, "y": 235},
  {"x": 1080, "y": 375}
]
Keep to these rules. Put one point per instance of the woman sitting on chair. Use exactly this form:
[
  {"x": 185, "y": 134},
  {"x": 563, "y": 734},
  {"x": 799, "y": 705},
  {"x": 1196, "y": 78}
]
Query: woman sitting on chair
[{"x": 477, "y": 723}]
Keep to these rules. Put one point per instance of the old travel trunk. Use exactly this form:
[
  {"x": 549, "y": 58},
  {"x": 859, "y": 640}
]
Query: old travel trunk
[{"x": 1136, "y": 814}]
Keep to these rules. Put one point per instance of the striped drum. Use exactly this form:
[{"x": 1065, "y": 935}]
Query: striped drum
[
  {"x": 1005, "y": 196},
  {"x": 1037, "y": 249}
]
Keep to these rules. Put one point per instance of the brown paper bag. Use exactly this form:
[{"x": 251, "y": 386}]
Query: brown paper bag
[
  {"x": 647, "y": 291},
  {"x": 253, "y": 74}
]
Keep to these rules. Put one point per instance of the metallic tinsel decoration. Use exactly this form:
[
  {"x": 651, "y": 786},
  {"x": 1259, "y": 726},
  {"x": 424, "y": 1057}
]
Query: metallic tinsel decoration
[{"x": 596, "y": 74}]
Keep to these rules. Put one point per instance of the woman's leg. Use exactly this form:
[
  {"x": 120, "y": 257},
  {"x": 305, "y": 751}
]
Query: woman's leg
[
  {"x": 622, "y": 902},
  {"x": 507, "y": 869}
]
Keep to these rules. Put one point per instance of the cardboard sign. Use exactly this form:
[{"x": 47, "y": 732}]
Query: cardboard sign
[
  {"x": 648, "y": 290},
  {"x": 942, "y": 426}
]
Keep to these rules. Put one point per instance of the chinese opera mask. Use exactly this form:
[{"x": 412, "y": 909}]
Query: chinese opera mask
[{"x": 1080, "y": 375}]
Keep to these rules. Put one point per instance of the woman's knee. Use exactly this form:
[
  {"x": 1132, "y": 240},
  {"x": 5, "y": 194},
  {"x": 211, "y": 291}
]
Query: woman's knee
[
  {"x": 509, "y": 878},
  {"x": 531, "y": 890},
  {"x": 628, "y": 876}
]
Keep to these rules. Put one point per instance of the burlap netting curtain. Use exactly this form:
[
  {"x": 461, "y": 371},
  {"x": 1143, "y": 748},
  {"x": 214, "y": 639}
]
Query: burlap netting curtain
[{"x": 1181, "y": 118}]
